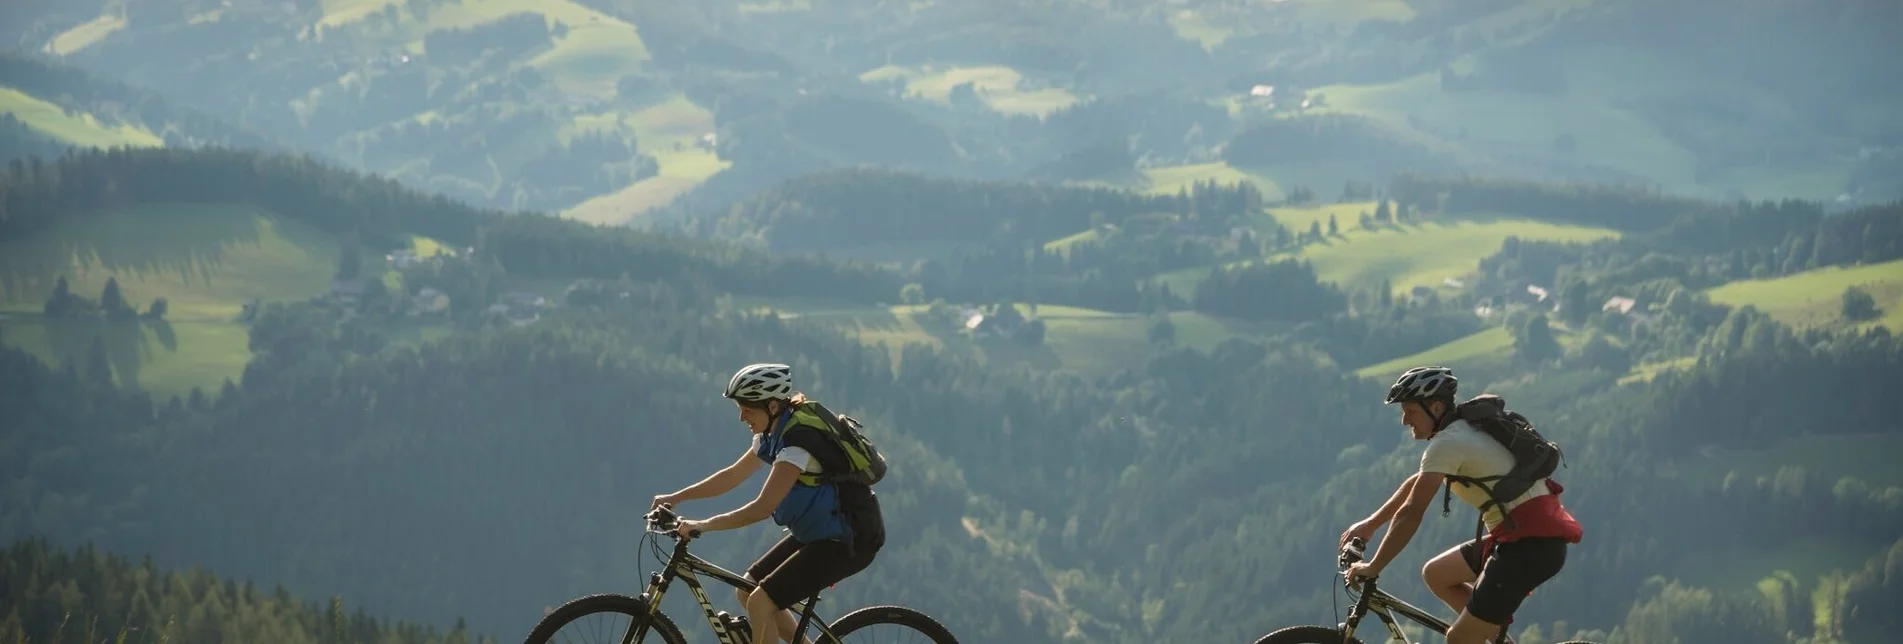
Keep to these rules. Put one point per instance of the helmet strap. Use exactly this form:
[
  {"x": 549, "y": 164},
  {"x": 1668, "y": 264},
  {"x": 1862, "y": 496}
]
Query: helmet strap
[{"x": 1442, "y": 419}]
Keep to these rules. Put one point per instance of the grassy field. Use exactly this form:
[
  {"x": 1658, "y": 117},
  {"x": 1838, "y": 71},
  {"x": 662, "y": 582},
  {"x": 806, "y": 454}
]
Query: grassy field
[
  {"x": 1646, "y": 372},
  {"x": 998, "y": 86},
  {"x": 1170, "y": 179},
  {"x": 1211, "y": 26},
  {"x": 1491, "y": 344},
  {"x": 1074, "y": 338},
  {"x": 342, "y": 12},
  {"x": 84, "y": 35},
  {"x": 597, "y": 50},
  {"x": 205, "y": 260},
  {"x": 670, "y": 132},
  {"x": 78, "y": 129},
  {"x": 1815, "y": 298},
  {"x": 1414, "y": 254},
  {"x": 163, "y": 358}
]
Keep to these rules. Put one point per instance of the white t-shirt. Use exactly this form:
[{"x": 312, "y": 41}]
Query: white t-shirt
[
  {"x": 1463, "y": 450},
  {"x": 798, "y": 456}
]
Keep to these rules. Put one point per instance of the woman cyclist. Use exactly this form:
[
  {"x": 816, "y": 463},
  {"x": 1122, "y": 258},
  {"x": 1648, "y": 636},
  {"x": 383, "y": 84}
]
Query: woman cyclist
[{"x": 835, "y": 527}]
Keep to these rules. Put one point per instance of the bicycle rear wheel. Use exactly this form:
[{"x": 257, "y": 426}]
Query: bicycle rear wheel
[
  {"x": 1306, "y": 635},
  {"x": 603, "y": 618},
  {"x": 893, "y": 624}
]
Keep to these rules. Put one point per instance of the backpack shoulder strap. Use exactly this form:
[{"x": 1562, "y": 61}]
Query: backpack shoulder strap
[{"x": 816, "y": 441}]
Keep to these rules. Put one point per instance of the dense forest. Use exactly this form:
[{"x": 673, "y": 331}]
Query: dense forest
[{"x": 80, "y": 595}]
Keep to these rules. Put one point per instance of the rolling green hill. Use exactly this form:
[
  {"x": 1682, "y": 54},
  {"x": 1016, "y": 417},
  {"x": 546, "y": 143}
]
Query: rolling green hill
[
  {"x": 1075, "y": 338},
  {"x": 1407, "y": 255},
  {"x": 1002, "y": 88},
  {"x": 205, "y": 260},
  {"x": 1814, "y": 298},
  {"x": 78, "y": 129}
]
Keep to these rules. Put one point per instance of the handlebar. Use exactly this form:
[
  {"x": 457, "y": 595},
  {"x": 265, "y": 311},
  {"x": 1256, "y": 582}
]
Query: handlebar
[
  {"x": 1352, "y": 553},
  {"x": 664, "y": 520}
]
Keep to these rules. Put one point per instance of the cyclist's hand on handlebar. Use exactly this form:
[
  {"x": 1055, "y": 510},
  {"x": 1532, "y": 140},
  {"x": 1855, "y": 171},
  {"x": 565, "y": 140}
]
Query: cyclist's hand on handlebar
[
  {"x": 663, "y": 499},
  {"x": 688, "y": 529},
  {"x": 1357, "y": 570},
  {"x": 1363, "y": 528}
]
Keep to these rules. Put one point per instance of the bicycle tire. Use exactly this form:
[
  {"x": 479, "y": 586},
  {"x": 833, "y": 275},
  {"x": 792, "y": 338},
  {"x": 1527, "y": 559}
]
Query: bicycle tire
[
  {"x": 634, "y": 607},
  {"x": 899, "y": 615},
  {"x": 1306, "y": 635}
]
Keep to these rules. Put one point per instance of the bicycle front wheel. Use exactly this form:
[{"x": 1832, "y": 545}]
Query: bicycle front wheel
[
  {"x": 604, "y": 618},
  {"x": 1307, "y": 635},
  {"x": 896, "y": 624}
]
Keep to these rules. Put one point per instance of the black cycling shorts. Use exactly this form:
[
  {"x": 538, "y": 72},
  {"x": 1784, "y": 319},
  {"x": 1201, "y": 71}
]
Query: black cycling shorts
[
  {"x": 791, "y": 571},
  {"x": 1510, "y": 573}
]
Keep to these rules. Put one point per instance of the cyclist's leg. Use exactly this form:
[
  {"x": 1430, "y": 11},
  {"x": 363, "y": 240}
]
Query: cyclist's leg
[
  {"x": 1451, "y": 574},
  {"x": 765, "y": 565},
  {"x": 1512, "y": 571},
  {"x": 811, "y": 569},
  {"x": 768, "y": 561}
]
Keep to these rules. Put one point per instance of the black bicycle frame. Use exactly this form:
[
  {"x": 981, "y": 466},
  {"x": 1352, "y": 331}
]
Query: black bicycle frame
[
  {"x": 1385, "y": 606},
  {"x": 687, "y": 567}
]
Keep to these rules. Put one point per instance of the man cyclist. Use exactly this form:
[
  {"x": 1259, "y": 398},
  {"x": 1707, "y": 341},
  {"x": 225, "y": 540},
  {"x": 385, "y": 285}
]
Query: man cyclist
[
  {"x": 1487, "y": 578},
  {"x": 835, "y": 527}
]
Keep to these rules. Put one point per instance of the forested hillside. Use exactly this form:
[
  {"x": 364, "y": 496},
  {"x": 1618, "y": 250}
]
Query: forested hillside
[
  {"x": 1192, "y": 493},
  {"x": 58, "y": 595}
]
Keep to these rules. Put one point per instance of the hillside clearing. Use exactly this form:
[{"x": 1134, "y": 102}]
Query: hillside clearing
[
  {"x": 1407, "y": 255},
  {"x": 1489, "y": 344},
  {"x": 597, "y": 50},
  {"x": 670, "y": 131},
  {"x": 85, "y": 34},
  {"x": 80, "y": 129},
  {"x": 998, "y": 86},
  {"x": 1171, "y": 179},
  {"x": 1814, "y": 298},
  {"x": 204, "y": 259},
  {"x": 163, "y": 358},
  {"x": 338, "y": 13},
  {"x": 1074, "y": 338}
]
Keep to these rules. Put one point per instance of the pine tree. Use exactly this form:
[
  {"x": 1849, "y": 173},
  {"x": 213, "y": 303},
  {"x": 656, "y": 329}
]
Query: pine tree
[{"x": 98, "y": 368}]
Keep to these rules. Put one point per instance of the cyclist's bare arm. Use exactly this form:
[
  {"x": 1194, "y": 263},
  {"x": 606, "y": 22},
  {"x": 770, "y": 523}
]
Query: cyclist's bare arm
[
  {"x": 1365, "y": 528},
  {"x": 1401, "y": 494},
  {"x": 779, "y": 481},
  {"x": 1414, "y": 504},
  {"x": 718, "y": 483}
]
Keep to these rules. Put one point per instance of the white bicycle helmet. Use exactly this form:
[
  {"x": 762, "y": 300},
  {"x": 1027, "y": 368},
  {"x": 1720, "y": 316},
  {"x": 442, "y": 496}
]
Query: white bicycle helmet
[
  {"x": 1422, "y": 384},
  {"x": 760, "y": 382}
]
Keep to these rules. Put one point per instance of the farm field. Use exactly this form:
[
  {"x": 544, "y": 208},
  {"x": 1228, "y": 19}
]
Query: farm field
[
  {"x": 1000, "y": 87},
  {"x": 1814, "y": 298},
  {"x": 81, "y": 129},
  {"x": 1407, "y": 255}
]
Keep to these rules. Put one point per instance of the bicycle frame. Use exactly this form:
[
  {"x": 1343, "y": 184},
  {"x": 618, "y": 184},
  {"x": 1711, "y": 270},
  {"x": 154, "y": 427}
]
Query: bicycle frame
[
  {"x": 1386, "y": 606},
  {"x": 688, "y": 567}
]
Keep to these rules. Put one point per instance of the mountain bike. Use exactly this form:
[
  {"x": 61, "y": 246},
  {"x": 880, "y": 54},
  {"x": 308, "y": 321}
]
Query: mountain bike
[
  {"x": 1371, "y": 600},
  {"x": 644, "y": 617}
]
